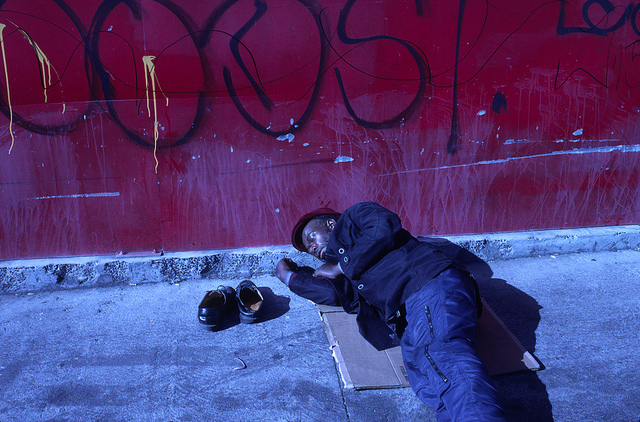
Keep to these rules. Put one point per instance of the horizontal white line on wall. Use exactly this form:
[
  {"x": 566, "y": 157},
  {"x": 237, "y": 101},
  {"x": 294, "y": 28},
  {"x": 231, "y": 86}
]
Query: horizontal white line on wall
[
  {"x": 621, "y": 148},
  {"x": 81, "y": 195}
]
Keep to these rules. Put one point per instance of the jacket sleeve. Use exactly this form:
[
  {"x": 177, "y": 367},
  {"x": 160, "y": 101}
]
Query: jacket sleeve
[
  {"x": 368, "y": 234},
  {"x": 339, "y": 292},
  {"x": 323, "y": 291}
]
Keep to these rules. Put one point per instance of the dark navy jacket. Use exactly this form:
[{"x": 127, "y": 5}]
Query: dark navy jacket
[{"x": 382, "y": 266}]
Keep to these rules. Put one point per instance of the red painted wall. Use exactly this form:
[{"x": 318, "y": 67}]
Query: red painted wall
[{"x": 464, "y": 117}]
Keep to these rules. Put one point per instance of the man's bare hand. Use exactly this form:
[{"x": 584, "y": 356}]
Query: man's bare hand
[
  {"x": 283, "y": 267},
  {"x": 328, "y": 271}
]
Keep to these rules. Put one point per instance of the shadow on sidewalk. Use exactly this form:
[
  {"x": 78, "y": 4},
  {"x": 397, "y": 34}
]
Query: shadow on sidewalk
[
  {"x": 275, "y": 305},
  {"x": 524, "y": 396}
]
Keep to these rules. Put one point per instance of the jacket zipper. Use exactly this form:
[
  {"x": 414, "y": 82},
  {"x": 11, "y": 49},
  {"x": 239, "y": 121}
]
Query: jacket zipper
[{"x": 426, "y": 348}]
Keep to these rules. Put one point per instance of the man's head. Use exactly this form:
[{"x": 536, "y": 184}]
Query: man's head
[{"x": 311, "y": 233}]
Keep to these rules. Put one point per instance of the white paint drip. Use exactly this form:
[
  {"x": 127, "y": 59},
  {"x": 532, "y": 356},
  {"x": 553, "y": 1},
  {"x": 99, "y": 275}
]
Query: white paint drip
[
  {"x": 577, "y": 132},
  {"x": 81, "y": 195},
  {"x": 342, "y": 159},
  {"x": 288, "y": 136},
  {"x": 481, "y": 113}
]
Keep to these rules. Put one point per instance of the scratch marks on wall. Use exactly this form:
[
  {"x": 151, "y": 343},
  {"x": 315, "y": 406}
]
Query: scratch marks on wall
[{"x": 284, "y": 104}]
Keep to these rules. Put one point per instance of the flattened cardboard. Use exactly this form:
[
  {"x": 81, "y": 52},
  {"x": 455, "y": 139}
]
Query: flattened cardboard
[
  {"x": 363, "y": 367},
  {"x": 360, "y": 364},
  {"x": 500, "y": 350}
]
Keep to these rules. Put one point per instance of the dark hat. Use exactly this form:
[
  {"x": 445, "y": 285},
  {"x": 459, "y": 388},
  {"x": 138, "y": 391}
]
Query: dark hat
[{"x": 296, "y": 235}]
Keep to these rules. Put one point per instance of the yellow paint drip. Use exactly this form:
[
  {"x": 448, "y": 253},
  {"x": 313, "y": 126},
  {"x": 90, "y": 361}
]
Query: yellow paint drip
[
  {"x": 45, "y": 64},
  {"x": 6, "y": 76},
  {"x": 150, "y": 74}
]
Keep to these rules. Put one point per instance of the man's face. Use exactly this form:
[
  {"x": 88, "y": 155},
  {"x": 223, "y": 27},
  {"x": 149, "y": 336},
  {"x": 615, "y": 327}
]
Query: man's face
[{"x": 315, "y": 237}]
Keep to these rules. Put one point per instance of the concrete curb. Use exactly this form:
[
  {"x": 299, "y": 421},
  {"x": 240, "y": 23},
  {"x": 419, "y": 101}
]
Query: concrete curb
[
  {"x": 500, "y": 246},
  {"x": 22, "y": 276}
]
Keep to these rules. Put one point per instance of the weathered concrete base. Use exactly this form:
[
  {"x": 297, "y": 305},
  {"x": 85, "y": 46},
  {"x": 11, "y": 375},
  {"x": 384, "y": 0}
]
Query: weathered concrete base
[
  {"x": 64, "y": 273},
  {"x": 101, "y": 271},
  {"x": 495, "y": 246}
]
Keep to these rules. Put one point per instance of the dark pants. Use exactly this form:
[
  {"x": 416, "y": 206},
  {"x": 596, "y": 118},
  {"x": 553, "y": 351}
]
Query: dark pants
[{"x": 438, "y": 351}]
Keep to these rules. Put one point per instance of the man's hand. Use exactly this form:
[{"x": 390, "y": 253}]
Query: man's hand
[
  {"x": 283, "y": 267},
  {"x": 328, "y": 271}
]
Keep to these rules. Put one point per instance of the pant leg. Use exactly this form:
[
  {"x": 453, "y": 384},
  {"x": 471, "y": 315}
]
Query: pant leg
[{"x": 438, "y": 351}]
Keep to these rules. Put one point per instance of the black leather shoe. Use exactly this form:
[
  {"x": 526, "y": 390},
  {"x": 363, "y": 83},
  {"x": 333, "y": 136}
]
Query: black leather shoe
[
  {"x": 249, "y": 301},
  {"x": 215, "y": 305}
]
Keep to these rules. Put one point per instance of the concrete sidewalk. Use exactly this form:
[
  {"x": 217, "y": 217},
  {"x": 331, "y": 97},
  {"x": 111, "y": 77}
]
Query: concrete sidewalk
[{"x": 137, "y": 353}]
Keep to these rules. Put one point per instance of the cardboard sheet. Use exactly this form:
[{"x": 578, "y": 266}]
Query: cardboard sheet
[{"x": 361, "y": 366}]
